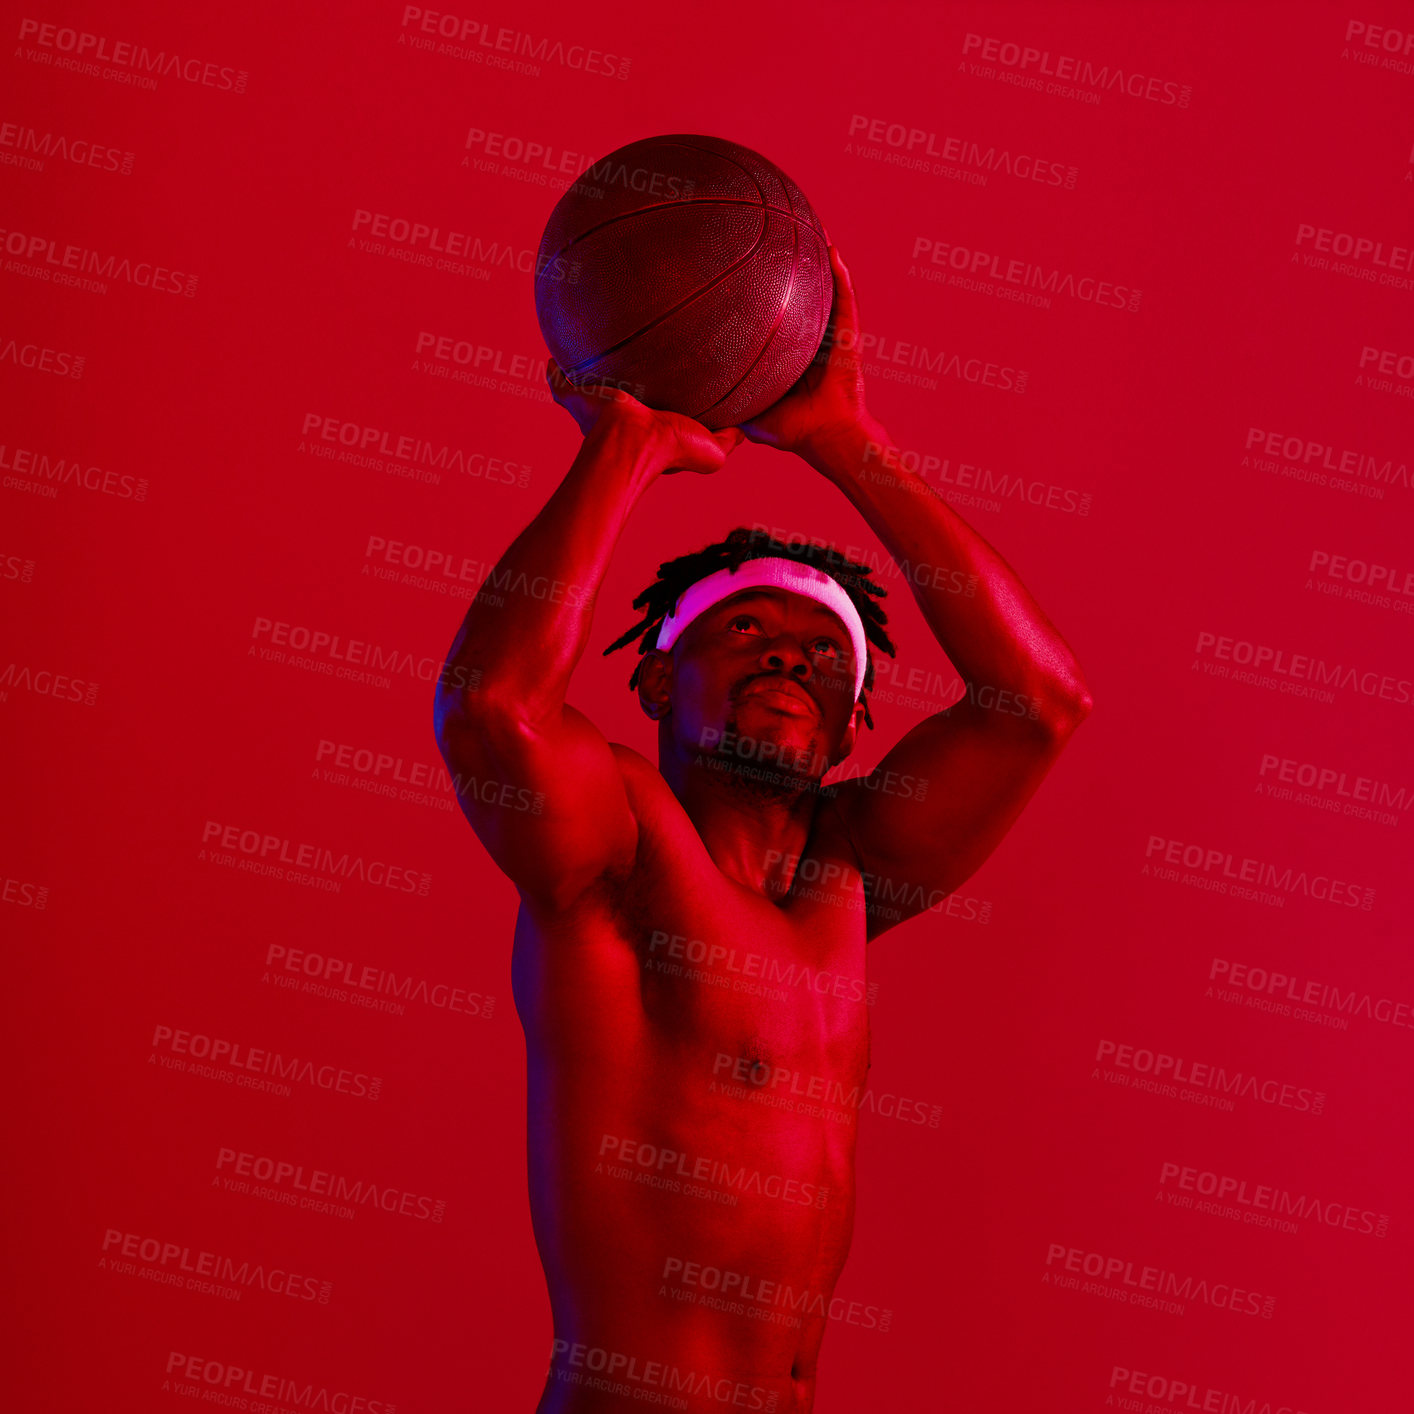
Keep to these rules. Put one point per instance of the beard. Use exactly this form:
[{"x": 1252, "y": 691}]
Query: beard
[{"x": 771, "y": 769}]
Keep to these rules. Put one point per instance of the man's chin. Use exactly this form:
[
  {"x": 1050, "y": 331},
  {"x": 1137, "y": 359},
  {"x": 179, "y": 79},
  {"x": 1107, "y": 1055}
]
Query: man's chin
[{"x": 784, "y": 752}]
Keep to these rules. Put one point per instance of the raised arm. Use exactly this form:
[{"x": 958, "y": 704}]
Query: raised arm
[
  {"x": 1023, "y": 694},
  {"x": 984, "y": 755},
  {"x": 536, "y": 779}
]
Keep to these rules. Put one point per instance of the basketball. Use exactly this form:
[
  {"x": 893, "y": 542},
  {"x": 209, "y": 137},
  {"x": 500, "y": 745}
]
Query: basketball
[{"x": 689, "y": 271}]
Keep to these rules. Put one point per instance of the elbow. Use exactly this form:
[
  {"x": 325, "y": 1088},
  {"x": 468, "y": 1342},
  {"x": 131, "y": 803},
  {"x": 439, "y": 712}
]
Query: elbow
[
  {"x": 1062, "y": 712},
  {"x": 456, "y": 704},
  {"x": 443, "y": 712},
  {"x": 467, "y": 716}
]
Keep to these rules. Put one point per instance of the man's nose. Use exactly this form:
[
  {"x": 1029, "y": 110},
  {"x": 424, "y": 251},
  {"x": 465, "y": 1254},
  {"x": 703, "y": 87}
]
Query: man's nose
[{"x": 784, "y": 654}]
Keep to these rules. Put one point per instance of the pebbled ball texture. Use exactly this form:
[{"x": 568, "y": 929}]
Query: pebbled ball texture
[{"x": 690, "y": 271}]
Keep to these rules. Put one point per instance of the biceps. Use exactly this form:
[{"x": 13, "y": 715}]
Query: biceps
[
  {"x": 940, "y": 802},
  {"x": 548, "y": 801}
]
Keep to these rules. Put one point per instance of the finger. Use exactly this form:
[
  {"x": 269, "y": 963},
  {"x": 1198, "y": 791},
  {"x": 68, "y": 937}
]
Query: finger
[
  {"x": 560, "y": 386},
  {"x": 844, "y": 290}
]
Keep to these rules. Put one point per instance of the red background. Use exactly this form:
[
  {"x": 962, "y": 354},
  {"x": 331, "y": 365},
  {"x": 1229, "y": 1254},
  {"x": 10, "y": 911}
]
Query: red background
[{"x": 156, "y": 603}]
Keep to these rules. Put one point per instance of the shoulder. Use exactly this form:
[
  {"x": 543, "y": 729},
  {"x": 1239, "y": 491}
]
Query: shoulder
[
  {"x": 643, "y": 782},
  {"x": 635, "y": 767},
  {"x": 830, "y": 830}
]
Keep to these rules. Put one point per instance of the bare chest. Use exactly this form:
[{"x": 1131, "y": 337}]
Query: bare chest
[{"x": 773, "y": 991}]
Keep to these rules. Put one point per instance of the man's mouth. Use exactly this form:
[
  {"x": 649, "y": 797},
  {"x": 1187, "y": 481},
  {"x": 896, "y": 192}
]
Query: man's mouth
[{"x": 781, "y": 694}]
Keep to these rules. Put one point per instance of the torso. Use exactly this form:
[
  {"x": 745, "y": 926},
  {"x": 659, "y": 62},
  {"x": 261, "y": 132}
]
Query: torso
[{"x": 682, "y": 1029}]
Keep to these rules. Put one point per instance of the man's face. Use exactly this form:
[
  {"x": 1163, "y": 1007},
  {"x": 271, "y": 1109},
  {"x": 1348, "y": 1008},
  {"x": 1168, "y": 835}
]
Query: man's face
[{"x": 765, "y": 677}]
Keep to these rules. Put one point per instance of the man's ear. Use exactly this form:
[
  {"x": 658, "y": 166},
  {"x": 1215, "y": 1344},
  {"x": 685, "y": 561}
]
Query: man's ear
[
  {"x": 655, "y": 682},
  {"x": 849, "y": 736}
]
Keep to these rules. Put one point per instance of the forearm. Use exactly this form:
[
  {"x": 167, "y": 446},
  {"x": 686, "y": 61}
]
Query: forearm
[
  {"x": 529, "y": 624},
  {"x": 985, "y": 619}
]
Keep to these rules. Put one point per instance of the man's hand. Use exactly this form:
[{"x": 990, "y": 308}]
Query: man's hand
[
  {"x": 828, "y": 399},
  {"x": 683, "y": 442}
]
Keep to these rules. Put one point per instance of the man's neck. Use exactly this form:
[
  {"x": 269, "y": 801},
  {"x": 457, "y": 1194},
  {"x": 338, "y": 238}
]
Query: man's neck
[{"x": 754, "y": 826}]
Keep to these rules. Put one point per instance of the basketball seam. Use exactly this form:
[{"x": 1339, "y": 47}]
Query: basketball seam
[
  {"x": 740, "y": 166},
  {"x": 786, "y": 184},
  {"x": 689, "y": 147},
  {"x": 681, "y": 304},
  {"x": 547, "y": 261},
  {"x": 770, "y": 338}
]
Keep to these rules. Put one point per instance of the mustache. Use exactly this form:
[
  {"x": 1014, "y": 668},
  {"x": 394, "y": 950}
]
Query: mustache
[
  {"x": 768, "y": 677},
  {"x": 776, "y": 680}
]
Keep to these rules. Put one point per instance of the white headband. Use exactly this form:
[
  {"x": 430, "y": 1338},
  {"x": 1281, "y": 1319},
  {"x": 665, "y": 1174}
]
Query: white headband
[{"x": 779, "y": 573}]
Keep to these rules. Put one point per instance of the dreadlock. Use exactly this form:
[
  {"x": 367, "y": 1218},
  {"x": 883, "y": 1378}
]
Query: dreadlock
[{"x": 674, "y": 576}]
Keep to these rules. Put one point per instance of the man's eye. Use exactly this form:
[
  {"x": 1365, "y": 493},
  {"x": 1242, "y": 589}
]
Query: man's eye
[
  {"x": 741, "y": 619},
  {"x": 826, "y": 645}
]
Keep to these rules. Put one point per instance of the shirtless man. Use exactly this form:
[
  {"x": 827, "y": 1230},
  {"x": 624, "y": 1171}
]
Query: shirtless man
[{"x": 689, "y": 953}]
